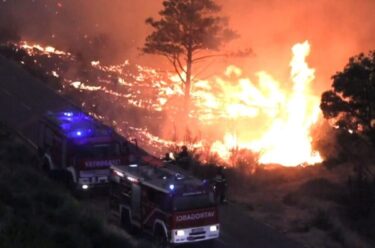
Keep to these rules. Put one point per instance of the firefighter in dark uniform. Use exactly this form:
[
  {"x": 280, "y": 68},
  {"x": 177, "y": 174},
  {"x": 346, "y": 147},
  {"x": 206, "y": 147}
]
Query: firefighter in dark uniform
[
  {"x": 183, "y": 158},
  {"x": 167, "y": 158},
  {"x": 183, "y": 153},
  {"x": 220, "y": 183}
]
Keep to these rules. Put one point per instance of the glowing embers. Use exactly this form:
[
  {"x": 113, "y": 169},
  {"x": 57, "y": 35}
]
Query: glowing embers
[{"x": 33, "y": 49}]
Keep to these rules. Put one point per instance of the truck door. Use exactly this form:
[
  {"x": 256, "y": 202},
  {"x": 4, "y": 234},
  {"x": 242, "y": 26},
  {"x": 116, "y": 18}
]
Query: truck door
[{"x": 136, "y": 201}]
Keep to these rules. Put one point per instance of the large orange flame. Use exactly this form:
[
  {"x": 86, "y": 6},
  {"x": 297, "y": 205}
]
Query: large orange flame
[{"x": 288, "y": 116}]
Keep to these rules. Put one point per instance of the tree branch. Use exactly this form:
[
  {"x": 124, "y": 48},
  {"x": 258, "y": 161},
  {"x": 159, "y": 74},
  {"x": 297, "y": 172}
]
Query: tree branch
[
  {"x": 173, "y": 62},
  {"x": 209, "y": 56},
  {"x": 180, "y": 65},
  {"x": 239, "y": 53},
  {"x": 202, "y": 70}
]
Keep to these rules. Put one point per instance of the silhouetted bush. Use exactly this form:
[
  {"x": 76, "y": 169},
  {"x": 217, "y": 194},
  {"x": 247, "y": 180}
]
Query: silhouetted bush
[
  {"x": 359, "y": 207},
  {"x": 291, "y": 199},
  {"x": 321, "y": 188},
  {"x": 321, "y": 220}
]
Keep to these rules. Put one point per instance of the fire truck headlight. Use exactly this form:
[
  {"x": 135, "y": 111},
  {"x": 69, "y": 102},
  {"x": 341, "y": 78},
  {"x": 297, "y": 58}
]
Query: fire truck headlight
[
  {"x": 171, "y": 187},
  {"x": 213, "y": 228},
  {"x": 180, "y": 232},
  {"x": 120, "y": 174},
  {"x": 85, "y": 186}
]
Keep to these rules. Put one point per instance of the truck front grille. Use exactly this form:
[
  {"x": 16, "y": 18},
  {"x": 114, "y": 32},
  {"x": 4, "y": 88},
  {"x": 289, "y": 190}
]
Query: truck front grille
[{"x": 197, "y": 234}]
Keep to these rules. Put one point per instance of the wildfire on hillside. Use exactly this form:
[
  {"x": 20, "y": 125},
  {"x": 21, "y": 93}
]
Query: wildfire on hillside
[
  {"x": 231, "y": 110},
  {"x": 286, "y": 115}
]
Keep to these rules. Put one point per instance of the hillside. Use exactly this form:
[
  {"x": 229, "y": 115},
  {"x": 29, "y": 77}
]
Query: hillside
[
  {"x": 326, "y": 205},
  {"x": 36, "y": 212}
]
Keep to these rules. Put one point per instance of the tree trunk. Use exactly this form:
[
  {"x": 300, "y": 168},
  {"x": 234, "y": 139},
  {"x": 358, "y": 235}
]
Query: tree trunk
[{"x": 188, "y": 81}]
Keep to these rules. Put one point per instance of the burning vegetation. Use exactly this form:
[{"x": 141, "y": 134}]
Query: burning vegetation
[
  {"x": 233, "y": 111},
  {"x": 230, "y": 112},
  {"x": 238, "y": 119}
]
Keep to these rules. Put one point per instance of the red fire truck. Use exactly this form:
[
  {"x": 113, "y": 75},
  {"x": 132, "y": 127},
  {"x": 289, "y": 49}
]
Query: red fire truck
[
  {"x": 78, "y": 145},
  {"x": 174, "y": 207}
]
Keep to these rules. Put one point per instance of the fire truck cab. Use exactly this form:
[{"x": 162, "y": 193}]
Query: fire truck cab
[
  {"x": 77, "y": 144},
  {"x": 172, "y": 206}
]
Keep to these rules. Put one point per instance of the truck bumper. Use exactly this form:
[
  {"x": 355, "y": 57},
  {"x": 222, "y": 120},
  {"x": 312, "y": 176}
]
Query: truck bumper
[
  {"x": 92, "y": 179},
  {"x": 196, "y": 234}
]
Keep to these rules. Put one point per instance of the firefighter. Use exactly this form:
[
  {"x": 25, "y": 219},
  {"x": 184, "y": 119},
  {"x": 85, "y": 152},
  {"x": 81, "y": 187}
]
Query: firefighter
[
  {"x": 167, "y": 158},
  {"x": 220, "y": 183},
  {"x": 183, "y": 153},
  {"x": 183, "y": 158}
]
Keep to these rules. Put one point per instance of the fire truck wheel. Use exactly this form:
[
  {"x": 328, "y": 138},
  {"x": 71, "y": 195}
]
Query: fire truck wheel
[
  {"x": 160, "y": 239},
  {"x": 126, "y": 222}
]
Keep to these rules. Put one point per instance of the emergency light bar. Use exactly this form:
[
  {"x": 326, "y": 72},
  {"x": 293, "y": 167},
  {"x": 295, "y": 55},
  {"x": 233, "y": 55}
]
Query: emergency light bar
[
  {"x": 77, "y": 124},
  {"x": 68, "y": 114}
]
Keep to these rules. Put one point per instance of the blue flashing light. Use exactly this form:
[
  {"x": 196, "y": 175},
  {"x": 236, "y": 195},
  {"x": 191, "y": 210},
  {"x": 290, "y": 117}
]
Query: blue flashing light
[
  {"x": 68, "y": 114},
  {"x": 77, "y": 124},
  {"x": 171, "y": 186},
  {"x": 80, "y": 133},
  {"x": 65, "y": 126}
]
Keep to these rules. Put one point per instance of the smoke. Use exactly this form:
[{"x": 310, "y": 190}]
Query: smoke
[
  {"x": 107, "y": 30},
  {"x": 114, "y": 30},
  {"x": 336, "y": 30}
]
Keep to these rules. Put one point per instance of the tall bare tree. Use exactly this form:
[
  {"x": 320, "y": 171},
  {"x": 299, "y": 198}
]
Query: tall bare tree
[{"x": 188, "y": 31}]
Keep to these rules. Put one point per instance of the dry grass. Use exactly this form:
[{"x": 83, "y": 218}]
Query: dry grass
[{"x": 303, "y": 202}]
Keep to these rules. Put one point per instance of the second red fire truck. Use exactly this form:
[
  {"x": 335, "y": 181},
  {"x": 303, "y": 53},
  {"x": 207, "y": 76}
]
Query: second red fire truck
[
  {"x": 80, "y": 147},
  {"x": 174, "y": 207}
]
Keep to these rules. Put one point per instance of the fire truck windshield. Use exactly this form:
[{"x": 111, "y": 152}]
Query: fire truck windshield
[
  {"x": 98, "y": 151},
  {"x": 182, "y": 203}
]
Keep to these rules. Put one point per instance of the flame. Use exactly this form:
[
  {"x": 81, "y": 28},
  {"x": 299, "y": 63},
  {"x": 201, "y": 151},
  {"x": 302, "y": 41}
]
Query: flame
[
  {"x": 263, "y": 116},
  {"x": 33, "y": 49},
  {"x": 287, "y": 140}
]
